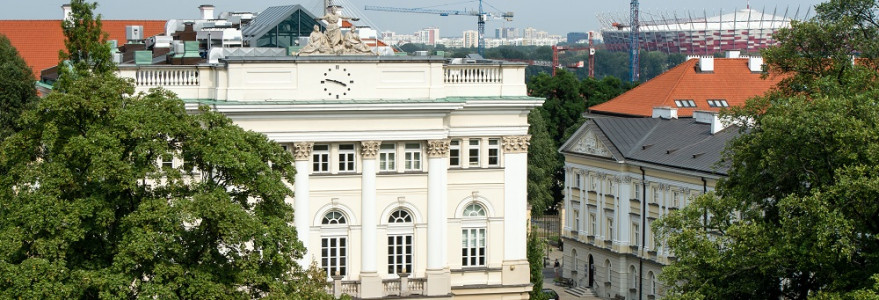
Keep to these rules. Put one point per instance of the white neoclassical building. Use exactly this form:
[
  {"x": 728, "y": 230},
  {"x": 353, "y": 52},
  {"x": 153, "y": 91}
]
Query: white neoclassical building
[
  {"x": 406, "y": 165},
  {"x": 623, "y": 174}
]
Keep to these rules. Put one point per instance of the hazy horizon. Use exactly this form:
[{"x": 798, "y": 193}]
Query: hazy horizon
[{"x": 577, "y": 17}]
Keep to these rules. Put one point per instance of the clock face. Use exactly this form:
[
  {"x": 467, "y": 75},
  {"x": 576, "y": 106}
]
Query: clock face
[{"x": 337, "y": 82}]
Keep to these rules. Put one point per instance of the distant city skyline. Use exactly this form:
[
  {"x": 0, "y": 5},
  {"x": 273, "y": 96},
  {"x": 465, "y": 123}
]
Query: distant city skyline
[{"x": 557, "y": 17}]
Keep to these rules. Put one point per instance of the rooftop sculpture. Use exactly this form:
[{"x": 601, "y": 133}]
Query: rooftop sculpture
[{"x": 332, "y": 42}]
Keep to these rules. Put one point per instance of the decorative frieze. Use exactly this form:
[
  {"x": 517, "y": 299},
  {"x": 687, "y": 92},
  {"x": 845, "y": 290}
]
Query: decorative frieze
[
  {"x": 437, "y": 148},
  {"x": 369, "y": 149},
  {"x": 302, "y": 150},
  {"x": 516, "y": 144}
]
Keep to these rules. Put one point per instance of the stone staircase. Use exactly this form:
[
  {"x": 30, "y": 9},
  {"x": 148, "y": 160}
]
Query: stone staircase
[{"x": 581, "y": 291}]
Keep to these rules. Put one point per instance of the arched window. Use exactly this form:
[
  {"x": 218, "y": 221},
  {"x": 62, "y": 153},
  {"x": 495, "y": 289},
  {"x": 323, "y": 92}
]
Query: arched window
[
  {"x": 633, "y": 275},
  {"x": 473, "y": 238},
  {"x": 609, "y": 272},
  {"x": 652, "y": 282},
  {"x": 400, "y": 216},
  {"x": 334, "y": 249},
  {"x": 400, "y": 231},
  {"x": 334, "y": 218},
  {"x": 474, "y": 210}
]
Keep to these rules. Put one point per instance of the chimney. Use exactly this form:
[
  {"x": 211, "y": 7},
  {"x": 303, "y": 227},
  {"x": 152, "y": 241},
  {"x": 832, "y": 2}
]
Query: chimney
[
  {"x": 755, "y": 64},
  {"x": 733, "y": 54},
  {"x": 665, "y": 112},
  {"x": 706, "y": 64},
  {"x": 67, "y": 12},
  {"x": 207, "y": 11},
  {"x": 711, "y": 118}
]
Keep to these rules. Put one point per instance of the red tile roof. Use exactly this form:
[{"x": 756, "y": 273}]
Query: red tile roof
[
  {"x": 731, "y": 80},
  {"x": 39, "y": 41}
]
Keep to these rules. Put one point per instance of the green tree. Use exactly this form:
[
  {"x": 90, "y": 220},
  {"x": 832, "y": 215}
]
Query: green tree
[
  {"x": 536, "y": 250},
  {"x": 17, "y": 92},
  {"x": 543, "y": 163},
  {"x": 86, "y": 49},
  {"x": 797, "y": 217}
]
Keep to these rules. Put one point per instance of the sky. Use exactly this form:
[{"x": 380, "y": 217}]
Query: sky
[{"x": 553, "y": 16}]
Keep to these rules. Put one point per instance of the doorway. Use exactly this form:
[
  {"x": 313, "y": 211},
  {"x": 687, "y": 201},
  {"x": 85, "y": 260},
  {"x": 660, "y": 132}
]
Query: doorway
[{"x": 590, "y": 269}]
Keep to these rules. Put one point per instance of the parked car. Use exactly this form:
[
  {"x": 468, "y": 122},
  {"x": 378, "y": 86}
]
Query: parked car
[{"x": 550, "y": 294}]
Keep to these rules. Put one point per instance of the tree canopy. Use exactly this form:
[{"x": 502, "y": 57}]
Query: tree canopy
[
  {"x": 17, "y": 92},
  {"x": 797, "y": 217},
  {"x": 109, "y": 194}
]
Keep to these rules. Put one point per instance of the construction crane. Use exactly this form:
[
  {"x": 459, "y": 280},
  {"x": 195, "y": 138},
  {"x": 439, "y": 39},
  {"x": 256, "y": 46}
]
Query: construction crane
[
  {"x": 634, "y": 42},
  {"x": 559, "y": 49},
  {"x": 481, "y": 15}
]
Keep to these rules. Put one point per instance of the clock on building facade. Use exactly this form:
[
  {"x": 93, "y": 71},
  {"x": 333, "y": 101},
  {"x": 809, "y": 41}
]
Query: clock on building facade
[{"x": 337, "y": 82}]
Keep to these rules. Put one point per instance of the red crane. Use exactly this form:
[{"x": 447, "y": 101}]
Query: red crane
[{"x": 558, "y": 49}]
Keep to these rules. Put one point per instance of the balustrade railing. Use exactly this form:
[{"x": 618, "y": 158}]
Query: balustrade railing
[
  {"x": 416, "y": 286},
  {"x": 167, "y": 77},
  {"x": 391, "y": 286},
  {"x": 351, "y": 288},
  {"x": 464, "y": 74}
]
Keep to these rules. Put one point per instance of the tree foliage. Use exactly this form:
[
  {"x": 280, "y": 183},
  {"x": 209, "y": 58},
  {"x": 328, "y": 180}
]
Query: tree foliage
[
  {"x": 543, "y": 162},
  {"x": 89, "y": 210},
  {"x": 17, "y": 91},
  {"x": 86, "y": 49},
  {"x": 536, "y": 249},
  {"x": 797, "y": 217}
]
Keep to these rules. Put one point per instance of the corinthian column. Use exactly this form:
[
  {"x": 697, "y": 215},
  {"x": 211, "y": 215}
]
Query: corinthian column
[
  {"x": 515, "y": 265},
  {"x": 369, "y": 279},
  {"x": 438, "y": 276},
  {"x": 302, "y": 155}
]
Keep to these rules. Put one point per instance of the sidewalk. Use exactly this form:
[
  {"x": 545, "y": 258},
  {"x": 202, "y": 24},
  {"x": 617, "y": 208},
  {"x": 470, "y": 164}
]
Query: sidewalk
[{"x": 549, "y": 274}]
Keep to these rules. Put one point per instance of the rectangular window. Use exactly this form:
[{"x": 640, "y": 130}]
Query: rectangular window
[
  {"x": 413, "y": 156},
  {"x": 636, "y": 234},
  {"x": 717, "y": 103},
  {"x": 320, "y": 158},
  {"x": 610, "y": 228},
  {"x": 334, "y": 255},
  {"x": 593, "y": 224},
  {"x": 473, "y": 247},
  {"x": 637, "y": 189},
  {"x": 399, "y": 254},
  {"x": 455, "y": 153},
  {"x": 346, "y": 158},
  {"x": 167, "y": 161},
  {"x": 577, "y": 182},
  {"x": 577, "y": 220},
  {"x": 387, "y": 157},
  {"x": 494, "y": 149},
  {"x": 473, "y": 150},
  {"x": 685, "y": 103}
]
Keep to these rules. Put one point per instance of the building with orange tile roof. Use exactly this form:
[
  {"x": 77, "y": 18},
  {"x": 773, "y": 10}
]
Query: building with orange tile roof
[
  {"x": 703, "y": 83},
  {"x": 39, "y": 41}
]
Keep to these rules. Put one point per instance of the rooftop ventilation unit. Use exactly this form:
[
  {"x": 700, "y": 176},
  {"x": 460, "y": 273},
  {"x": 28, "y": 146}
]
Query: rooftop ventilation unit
[{"x": 134, "y": 33}]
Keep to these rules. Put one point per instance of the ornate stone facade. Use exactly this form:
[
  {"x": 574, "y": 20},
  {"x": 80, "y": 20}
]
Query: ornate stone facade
[
  {"x": 516, "y": 144},
  {"x": 369, "y": 149},
  {"x": 302, "y": 150},
  {"x": 437, "y": 148}
]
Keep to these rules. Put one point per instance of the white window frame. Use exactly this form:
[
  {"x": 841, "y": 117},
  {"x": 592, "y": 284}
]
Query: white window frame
[
  {"x": 473, "y": 247},
  {"x": 636, "y": 234},
  {"x": 320, "y": 158},
  {"x": 455, "y": 153},
  {"x": 334, "y": 243},
  {"x": 577, "y": 219},
  {"x": 494, "y": 152},
  {"x": 387, "y": 157},
  {"x": 594, "y": 222},
  {"x": 412, "y": 156},
  {"x": 610, "y": 228},
  {"x": 347, "y": 158},
  {"x": 474, "y": 161}
]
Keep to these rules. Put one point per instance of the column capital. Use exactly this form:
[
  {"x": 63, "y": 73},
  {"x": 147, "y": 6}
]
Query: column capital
[
  {"x": 302, "y": 150},
  {"x": 437, "y": 148},
  {"x": 369, "y": 149},
  {"x": 516, "y": 143}
]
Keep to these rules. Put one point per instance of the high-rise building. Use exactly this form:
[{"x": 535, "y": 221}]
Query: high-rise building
[
  {"x": 429, "y": 36},
  {"x": 471, "y": 38}
]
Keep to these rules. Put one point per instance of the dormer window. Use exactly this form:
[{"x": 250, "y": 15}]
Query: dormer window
[
  {"x": 685, "y": 103},
  {"x": 717, "y": 103}
]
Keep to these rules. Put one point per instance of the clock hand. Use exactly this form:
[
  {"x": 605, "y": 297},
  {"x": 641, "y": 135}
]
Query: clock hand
[{"x": 337, "y": 82}]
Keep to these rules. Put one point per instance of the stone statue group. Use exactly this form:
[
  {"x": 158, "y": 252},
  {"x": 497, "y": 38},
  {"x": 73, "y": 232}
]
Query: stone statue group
[{"x": 332, "y": 41}]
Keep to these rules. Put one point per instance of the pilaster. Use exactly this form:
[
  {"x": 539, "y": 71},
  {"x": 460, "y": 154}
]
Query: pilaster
[
  {"x": 515, "y": 264},
  {"x": 438, "y": 275},
  {"x": 368, "y": 151}
]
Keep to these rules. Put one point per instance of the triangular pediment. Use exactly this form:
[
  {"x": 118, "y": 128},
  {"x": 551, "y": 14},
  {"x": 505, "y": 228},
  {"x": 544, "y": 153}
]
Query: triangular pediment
[{"x": 587, "y": 142}]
